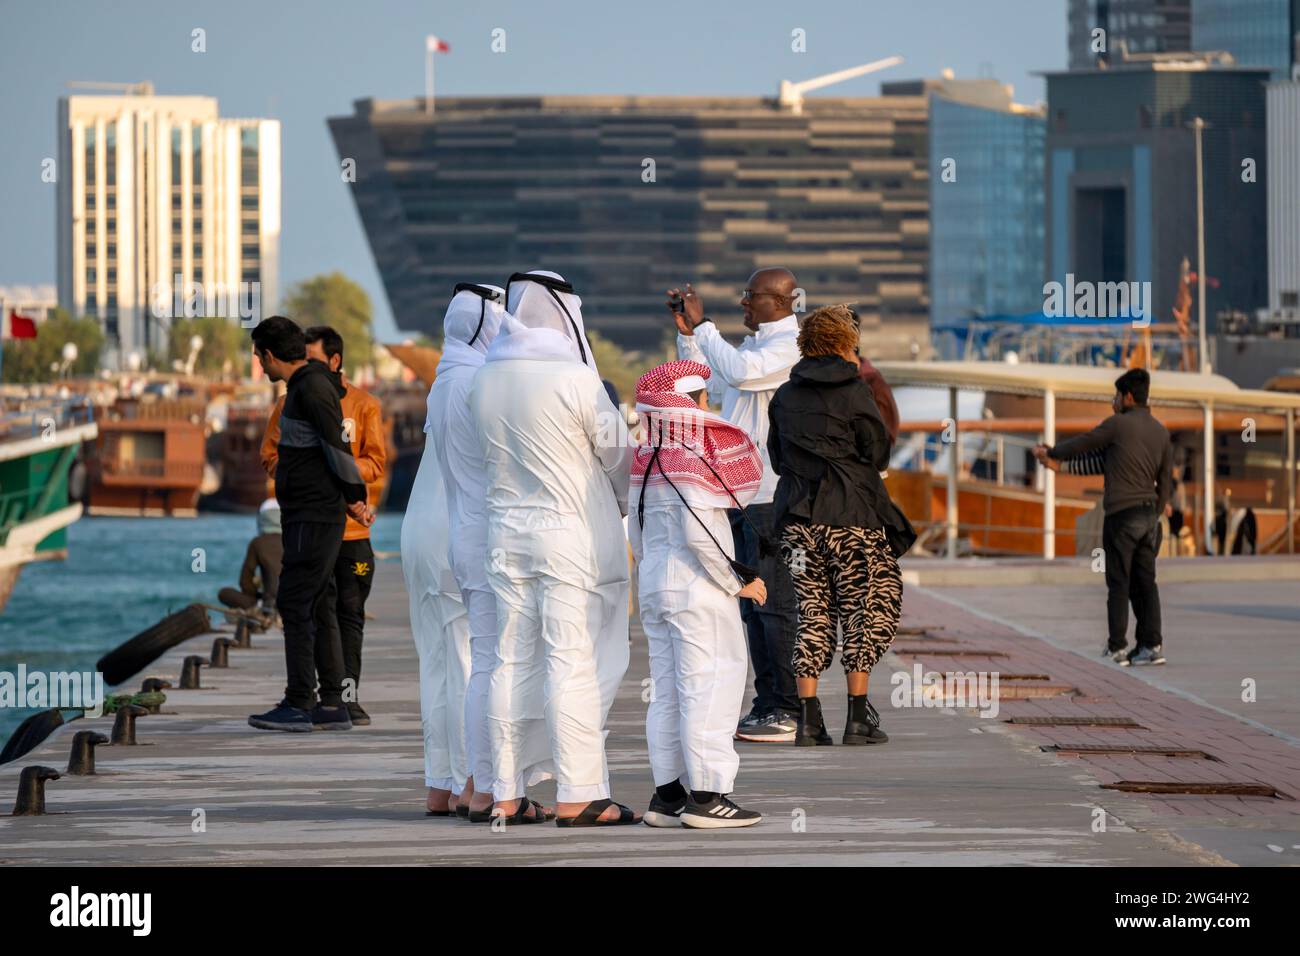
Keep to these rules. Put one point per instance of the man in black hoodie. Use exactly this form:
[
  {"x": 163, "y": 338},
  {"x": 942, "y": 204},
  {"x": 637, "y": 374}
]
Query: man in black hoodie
[{"x": 317, "y": 484}]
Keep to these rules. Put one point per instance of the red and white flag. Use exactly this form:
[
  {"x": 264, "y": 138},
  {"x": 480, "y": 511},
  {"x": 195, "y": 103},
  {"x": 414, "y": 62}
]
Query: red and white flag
[{"x": 434, "y": 45}]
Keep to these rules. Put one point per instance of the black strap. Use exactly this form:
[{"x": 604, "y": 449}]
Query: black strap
[
  {"x": 483, "y": 293},
  {"x": 582, "y": 348}
]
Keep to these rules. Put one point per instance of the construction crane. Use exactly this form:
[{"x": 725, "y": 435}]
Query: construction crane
[
  {"x": 144, "y": 88},
  {"x": 791, "y": 95}
]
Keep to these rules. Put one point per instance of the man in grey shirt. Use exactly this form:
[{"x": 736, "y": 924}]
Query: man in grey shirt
[{"x": 1133, "y": 450}]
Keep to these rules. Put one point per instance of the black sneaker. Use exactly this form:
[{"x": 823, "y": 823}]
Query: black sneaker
[
  {"x": 663, "y": 813},
  {"x": 1146, "y": 655},
  {"x": 777, "y": 728},
  {"x": 358, "y": 716},
  {"x": 718, "y": 814},
  {"x": 330, "y": 717},
  {"x": 1120, "y": 656},
  {"x": 282, "y": 717}
]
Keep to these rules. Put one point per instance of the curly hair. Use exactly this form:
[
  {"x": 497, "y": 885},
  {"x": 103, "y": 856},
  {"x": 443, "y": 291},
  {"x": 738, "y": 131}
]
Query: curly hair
[{"x": 828, "y": 331}]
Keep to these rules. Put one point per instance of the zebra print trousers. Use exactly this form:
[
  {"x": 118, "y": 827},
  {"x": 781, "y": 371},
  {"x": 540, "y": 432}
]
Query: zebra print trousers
[{"x": 847, "y": 575}]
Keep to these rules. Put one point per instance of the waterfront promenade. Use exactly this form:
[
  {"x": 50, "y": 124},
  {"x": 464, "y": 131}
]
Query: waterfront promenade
[{"x": 951, "y": 787}]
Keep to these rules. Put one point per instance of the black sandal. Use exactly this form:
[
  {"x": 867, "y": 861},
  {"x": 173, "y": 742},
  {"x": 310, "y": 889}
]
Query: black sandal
[
  {"x": 590, "y": 816},
  {"x": 479, "y": 816},
  {"x": 521, "y": 815},
  {"x": 462, "y": 810},
  {"x": 437, "y": 813}
]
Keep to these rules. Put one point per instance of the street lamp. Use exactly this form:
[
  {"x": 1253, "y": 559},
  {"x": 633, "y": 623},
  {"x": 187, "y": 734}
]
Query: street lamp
[{"x": 1198, "y": 125}]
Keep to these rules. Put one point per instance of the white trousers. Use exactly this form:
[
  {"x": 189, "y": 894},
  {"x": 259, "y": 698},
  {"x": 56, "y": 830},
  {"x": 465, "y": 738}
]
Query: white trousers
[
  {"x": 562, "y": 653},
  {"x": 482, "y": 613},
  {"x": 441, "y": 631},
  {"x": 698, "y": 669}
]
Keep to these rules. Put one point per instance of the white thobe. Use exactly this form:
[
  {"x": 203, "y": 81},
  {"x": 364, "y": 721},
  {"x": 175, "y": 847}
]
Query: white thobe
[
  {"x": 698, "y": 654},
  {"x": 745, "y": 378},
  {"x": 438, "y": 625},
  {"x": 465, "y": 477},
  {"x": 557, "y": 561}
]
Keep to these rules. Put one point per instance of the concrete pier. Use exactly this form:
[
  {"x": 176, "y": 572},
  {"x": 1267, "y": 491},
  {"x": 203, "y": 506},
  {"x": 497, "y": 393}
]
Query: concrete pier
[{"x": 950, "y": 788}]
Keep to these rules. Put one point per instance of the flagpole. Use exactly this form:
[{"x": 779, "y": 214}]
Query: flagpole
[{"x": 428, "y": 77}]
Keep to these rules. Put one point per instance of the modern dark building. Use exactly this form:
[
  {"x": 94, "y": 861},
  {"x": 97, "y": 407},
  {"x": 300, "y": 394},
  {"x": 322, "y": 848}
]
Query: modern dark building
[
  {"x": 627, "y": 196},
  {"x": 1256, "y": 32},
  {"x": 1140, "y": 26},
  {"x": 1121, "y": 178},
  {"x": 986, "y": 201}
]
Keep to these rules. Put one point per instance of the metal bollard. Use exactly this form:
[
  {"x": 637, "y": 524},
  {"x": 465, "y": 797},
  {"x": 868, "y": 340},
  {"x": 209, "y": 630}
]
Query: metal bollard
[
  {"x": 124, "y": 725},
  {"x": 152, "y": 684},
  {"x": 31, "y": 791},
  {"x": 220, "y": 652},
  {"x": 81, "y": 762},
  {"x": 190, "y": 672},
  {"x": 242, "y": 631}
]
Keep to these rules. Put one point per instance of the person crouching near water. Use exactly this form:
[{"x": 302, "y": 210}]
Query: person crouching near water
[
  {"x": 692, "y": 468},
  {"x": 828, "y": 443}
]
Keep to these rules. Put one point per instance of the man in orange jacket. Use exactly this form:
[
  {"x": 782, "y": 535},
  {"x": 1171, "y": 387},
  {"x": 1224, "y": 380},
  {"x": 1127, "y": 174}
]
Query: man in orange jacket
[{"x": 344, "y": 605}]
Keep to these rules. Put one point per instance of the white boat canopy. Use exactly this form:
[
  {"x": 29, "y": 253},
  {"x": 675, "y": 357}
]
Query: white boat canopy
[{"x": 1205, "y": 391}]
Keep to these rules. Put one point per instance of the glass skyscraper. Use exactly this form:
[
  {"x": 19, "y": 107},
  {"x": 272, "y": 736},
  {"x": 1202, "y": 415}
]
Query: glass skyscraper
[
  {"x": 986, "y": 207},
  {"x": 1255, "y": 32}
]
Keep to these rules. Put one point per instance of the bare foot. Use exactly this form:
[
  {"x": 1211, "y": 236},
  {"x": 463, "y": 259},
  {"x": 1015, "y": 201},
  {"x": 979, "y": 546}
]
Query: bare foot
[{"x": 436, "y": 801}]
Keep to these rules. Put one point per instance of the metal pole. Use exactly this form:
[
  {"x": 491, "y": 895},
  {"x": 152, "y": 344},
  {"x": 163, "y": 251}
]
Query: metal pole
[
  {"x": 1199, "y": 124},
  {"x": 1207, "y": 478},
  {"x": 954, "y": 457},
  {"x": 1049, "y": 477},
  {"x": 428, "y": 79},
  {"x": 1290, "y": 481}
]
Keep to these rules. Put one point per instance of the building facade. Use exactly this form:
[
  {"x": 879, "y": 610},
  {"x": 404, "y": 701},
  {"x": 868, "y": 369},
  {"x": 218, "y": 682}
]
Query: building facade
[
  {"x": 1256, "y": 32},
  {"x": 1140, "y": 26},
  {"x": 164, "y": 209},
  {"x": 627, "y": 196},
  {"x": 986, "y": 202},
  {"x": 1284, "y": 200},
  {"x": 1121, "y": 179}
]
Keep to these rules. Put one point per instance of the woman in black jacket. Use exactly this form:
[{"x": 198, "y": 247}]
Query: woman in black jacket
[{"x": 829, "y": 445}]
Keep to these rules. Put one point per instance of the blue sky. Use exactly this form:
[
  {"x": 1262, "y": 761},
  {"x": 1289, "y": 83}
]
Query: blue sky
[{"x": 300, "y": 62}]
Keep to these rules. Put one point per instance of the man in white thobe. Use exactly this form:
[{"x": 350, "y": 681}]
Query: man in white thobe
[
  {"x": 744, "y": 380},
  {"x": 472, "y": 321},
  {"x": 557, "y": 550},
  {"x": 440, "y": 630}
]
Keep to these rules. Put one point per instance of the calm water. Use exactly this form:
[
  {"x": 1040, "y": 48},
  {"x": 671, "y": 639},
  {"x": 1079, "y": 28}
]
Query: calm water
[{"x": 121, "y": 576}]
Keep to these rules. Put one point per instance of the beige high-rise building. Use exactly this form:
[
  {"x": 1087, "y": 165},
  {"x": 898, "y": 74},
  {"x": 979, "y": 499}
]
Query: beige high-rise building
[{"x": 165, "y": 209}]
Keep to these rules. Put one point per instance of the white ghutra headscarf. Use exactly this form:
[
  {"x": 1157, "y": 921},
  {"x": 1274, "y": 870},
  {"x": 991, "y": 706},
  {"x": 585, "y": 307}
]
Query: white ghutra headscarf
[{"x": 542, "y": 321}]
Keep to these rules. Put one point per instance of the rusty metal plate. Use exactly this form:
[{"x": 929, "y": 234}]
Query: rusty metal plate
[
  {"x": 1002, "y": 676},
  {"x": 1126, "y": 722},
  {"x": 1197, "y": 788},
  {"x": 1122, "y": 751},
  {"x": 1034, "y": 691},
  {"x": 944, "y": 652}
]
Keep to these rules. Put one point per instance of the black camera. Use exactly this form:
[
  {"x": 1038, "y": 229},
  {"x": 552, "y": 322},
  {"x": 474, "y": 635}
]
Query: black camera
[{"x": 677, "y": 304}]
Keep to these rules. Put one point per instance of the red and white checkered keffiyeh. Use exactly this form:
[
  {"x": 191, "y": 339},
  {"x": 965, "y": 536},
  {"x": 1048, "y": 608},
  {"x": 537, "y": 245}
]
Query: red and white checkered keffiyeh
[{"x": 690, "y": 440}]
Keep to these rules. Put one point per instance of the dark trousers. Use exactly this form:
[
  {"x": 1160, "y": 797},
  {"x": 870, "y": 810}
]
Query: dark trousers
[
  {"x": 770, "y": 628},
  {"x": 1131, "y": 541},
  {"x": 311, "y": 646},
  {"x": 354, "y": 571}
]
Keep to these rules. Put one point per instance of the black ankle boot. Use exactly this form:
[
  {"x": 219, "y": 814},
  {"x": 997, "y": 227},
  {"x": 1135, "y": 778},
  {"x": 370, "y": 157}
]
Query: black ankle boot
[
  {"x": 811, "y": 731},
  {"x": 863, "y": 725}
]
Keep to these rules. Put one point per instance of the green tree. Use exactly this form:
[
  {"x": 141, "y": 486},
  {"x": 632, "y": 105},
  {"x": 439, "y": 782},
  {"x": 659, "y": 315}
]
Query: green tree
[
  {"x": 336, "y": 301},
  {"x": 30, "y": 360},
  {"x": 622, "y": 368},
  {"x": 226, "y": 345}
]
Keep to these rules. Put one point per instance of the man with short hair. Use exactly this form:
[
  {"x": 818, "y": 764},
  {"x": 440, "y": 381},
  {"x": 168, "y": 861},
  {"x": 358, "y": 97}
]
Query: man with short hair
[
  {"x": 344, "y": 607},
  {"x": 317, "y": 485},
  {"x": 743, "y": 382},
  {"x": 1136, "y": 460}
]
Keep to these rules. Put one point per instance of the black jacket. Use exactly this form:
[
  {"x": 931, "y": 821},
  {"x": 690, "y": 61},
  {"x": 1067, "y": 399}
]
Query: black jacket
[
  {"x": 1137, "y": 462},
  {"x": 828, "y": 443},
  {"x": 316, "y": 476}
]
